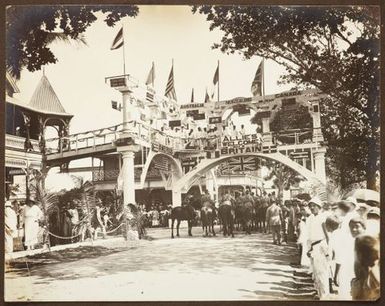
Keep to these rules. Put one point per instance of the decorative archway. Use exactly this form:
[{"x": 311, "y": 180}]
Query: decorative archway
[
  {"x": 176, "y": 169},
  {"x": 185, "y": 183},
  {"x": 231, "y": 107}
]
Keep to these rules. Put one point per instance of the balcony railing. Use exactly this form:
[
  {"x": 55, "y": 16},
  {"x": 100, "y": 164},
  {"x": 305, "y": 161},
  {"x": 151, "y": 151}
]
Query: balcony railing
[
  {"x": 17, "y": 143},
  {"x": 105, "y": 175}
]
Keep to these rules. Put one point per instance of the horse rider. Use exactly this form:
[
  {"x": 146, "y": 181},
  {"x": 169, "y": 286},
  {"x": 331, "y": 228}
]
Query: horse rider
[
  {"x": 187, "y": 200},
  {"x": 247, "y": 199},
  {"x": 207, "y": 202},
  {"x": 227, "y": 199},
  {"x": 238, "y": 199}
]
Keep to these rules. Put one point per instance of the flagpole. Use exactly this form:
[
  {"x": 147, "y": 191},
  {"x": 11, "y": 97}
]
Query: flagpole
[
  {"x": 124, "y": 52},
  {"x": 218, "y": 80}
]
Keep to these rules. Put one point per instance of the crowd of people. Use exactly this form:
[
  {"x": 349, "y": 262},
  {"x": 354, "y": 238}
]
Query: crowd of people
[
  {"x": 338, "y": 242},
  {"x": 156, "y": 214},
  {"x": 339, "y": 245},
  {"x": 22, "y": 221},
  {"x": 68, "y": 224}
]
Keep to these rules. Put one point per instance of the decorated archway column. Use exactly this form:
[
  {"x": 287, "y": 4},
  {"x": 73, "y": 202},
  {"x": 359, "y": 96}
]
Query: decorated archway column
[
  {"x": 267, "y": 137},
  {"x": 127, "y": 148},
  {"x": 176, "y": 198},
  {"x": 211, "y": 185},
  {"x": 126, "y": 109},
  {"x": 319, "y": 163},
  {"x": 316, "y": 115}
]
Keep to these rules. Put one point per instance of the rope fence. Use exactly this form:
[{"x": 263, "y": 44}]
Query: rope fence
[
  {"x": 116, "y": 228},
  {"x": 72, "y": 237}
]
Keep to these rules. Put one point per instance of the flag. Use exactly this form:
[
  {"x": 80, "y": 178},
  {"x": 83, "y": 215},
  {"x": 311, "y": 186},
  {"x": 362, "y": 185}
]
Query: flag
[
  {"x": 150, "y": 95},
  {"x": 192, "y": 95},
  {"x": 151, "y": 76},
  {"x": 256, "y": 86},
  {"x": 207, "y": 97},
  {"x": 161, "y": 163},
  {"x": 27, "y": 119},
  {"x": 114, "y": 105},
  {"x": 240, "y": 164},
  {"x": 118, "y": 41},
  {"x": 216, "y": 75},
  {"x": 170, "y": 90}
]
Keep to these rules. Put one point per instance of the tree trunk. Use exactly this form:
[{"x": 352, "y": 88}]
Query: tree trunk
[{"x": 371, "y": 167}]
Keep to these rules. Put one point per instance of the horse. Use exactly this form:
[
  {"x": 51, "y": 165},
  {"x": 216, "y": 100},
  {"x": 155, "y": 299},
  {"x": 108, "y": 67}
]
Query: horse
[
  {"x": 244, "y": 214},
  {"x": 226, "y": 215},
  {"x": 208, "y": 216},
  {"x": 180, "y": 213}
]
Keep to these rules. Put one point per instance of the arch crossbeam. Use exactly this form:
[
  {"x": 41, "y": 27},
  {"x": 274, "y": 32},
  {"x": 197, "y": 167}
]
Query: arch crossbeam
[{"x": 184, "y": 184}]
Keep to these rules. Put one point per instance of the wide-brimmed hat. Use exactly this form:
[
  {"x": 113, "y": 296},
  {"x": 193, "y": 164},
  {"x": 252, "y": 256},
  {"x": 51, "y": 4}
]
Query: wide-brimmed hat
[
  {"x": 317, "y": 201},
  {"x": 350, "y": 200}
]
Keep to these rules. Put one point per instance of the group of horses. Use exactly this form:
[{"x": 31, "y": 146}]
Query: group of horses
[{"x": 247, "y": 216}]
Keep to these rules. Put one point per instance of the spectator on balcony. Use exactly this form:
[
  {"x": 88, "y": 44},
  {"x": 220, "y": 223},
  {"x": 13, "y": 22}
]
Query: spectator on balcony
[
  {"x": 226, "y": 131},
  {"x": 199, "y": 135},
  {"x": 234, "y": 132},
  {"x": 242, "y": 131}
]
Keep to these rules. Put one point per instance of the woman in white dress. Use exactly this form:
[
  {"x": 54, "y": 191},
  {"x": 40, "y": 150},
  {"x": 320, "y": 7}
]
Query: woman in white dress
[{"x": 32, "y": 215}]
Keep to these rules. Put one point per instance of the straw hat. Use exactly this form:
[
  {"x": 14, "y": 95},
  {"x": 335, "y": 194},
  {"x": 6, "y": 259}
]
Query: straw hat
[
  {"x": 350, "y": 200},
  {"x": 316, "y": 200}
]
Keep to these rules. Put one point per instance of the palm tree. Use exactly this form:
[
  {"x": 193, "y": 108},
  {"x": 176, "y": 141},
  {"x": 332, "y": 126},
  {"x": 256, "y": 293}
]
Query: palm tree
[
  {"x": 51, "y": 37},
  {"x": 46, "y": 200},
  {"x": 88, "y": 205}
]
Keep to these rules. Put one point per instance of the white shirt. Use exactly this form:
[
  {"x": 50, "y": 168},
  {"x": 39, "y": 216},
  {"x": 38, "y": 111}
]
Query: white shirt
[
  {"x": 10, "y": 218},
  {"x": 345, "y": 222},
  {"x": 315, "y": 229}
]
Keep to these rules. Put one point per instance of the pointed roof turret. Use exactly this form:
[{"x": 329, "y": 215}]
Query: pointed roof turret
[{"x": 45, "y": 100}]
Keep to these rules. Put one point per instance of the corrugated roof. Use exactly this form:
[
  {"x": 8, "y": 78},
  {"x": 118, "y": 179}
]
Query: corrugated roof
[{"x": 45, "y": 100}]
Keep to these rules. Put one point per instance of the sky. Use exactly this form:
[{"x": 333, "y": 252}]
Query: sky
[{"x": 158, "y": 34}]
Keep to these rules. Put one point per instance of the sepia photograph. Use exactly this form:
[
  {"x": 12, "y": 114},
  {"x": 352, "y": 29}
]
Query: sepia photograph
[{"x": 192, "y": 153}]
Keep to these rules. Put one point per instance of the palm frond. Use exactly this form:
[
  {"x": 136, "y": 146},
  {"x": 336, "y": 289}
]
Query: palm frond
[{"x": 62, "y": 37}]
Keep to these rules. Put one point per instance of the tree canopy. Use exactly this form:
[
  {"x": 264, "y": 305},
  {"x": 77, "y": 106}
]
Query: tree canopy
[
  {"x": 335, "y": 49},
  {"x": 283, "y": 177},
  {"x": 31, "y": 28}
]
